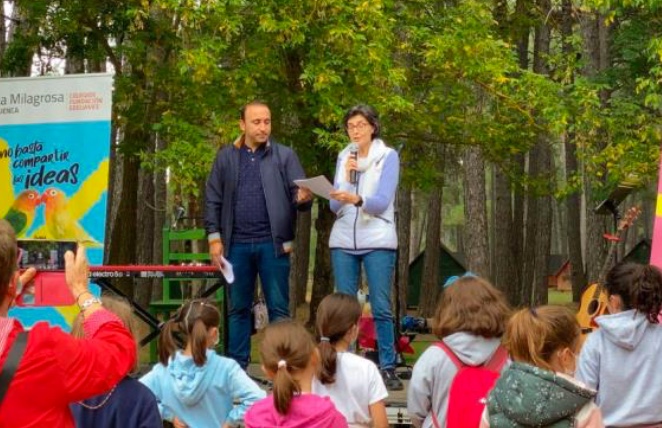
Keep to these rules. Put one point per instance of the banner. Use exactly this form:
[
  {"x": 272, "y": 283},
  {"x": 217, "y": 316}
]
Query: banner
[
  {"x": 54, "y": 159},
  {"x": 656, "y": 250}
]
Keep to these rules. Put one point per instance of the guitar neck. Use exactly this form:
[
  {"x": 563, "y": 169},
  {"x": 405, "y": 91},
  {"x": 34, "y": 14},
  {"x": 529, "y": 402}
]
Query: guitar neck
[
  {"x": 626, "y": 222},
  {"x": 608, "y": 262}
]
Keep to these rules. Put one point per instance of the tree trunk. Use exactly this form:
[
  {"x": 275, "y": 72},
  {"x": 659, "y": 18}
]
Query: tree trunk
[
  {"x": 404, "y": 231},
  {"x": 21, "y": 34},
  {"x": 322, "y": 279},
  {"x": 596, "y": 36},
  {"x": 300, "y": 262},
  {"x": 115, "y": 178},
  {"x": 144, "y": 241},
  {"x": 538, "y": 208},
  {"x": 475, "y": 213},
  {"x": 521, "y": 31},
  {"x": 122, "y": 249},
  {"x": 160, "y": 219},
  {"x": 419, "y": 218},
  {"x": 573, "y": 203},
  {"x": 3, "y": 35},
  {"x": 430, "y": 283},
  {"x": 507, "y": 273}
]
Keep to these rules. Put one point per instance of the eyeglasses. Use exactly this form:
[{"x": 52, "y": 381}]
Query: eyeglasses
[{"x": 359, "y": 126}]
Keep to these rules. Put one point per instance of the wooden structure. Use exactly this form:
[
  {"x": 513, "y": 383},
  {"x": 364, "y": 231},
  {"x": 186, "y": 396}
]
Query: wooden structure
[
  {"x": 559, "y": 272},
  {"x": 450, "y": 264},
  {"x": 640, "y": 253},
  {"x": 173, "y": 296}
]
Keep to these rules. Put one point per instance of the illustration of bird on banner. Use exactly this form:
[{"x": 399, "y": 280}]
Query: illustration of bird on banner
[
  {"x": 62, "y": 214},
  {"x": 61, "y": 223},
  {"x": 21, "y": 214}
]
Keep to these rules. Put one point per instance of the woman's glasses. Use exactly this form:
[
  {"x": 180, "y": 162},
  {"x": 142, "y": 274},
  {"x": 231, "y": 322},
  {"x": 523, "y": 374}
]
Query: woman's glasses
[{"x": 359, "y": 126}]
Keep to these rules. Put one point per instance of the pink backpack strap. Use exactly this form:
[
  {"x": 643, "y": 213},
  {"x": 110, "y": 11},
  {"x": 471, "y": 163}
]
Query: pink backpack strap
[
  {"x": 498, "y": 360},
  {"x": 458, "y": 363}
]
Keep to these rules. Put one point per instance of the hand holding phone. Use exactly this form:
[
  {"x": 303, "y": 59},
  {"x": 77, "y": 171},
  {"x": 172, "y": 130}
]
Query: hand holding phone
[{"x": 76, "y": 271}]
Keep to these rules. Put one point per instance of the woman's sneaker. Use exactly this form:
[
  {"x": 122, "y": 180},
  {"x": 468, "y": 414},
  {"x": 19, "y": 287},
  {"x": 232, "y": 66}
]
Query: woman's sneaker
[{"x": 391, "y": 380}]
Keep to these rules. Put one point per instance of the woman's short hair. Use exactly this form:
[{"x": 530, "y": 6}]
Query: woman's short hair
[
  {"x": 369, "y": 113},
  {"x": 471, "y": 305},
  {"x": 8, "y": 254}
]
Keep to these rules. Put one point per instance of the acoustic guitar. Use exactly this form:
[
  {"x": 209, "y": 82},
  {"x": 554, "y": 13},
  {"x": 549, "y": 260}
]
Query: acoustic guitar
[{"x": 594, "y": 298}]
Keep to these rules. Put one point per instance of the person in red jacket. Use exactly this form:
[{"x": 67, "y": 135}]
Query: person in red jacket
[{"x": 57, "y": 369}]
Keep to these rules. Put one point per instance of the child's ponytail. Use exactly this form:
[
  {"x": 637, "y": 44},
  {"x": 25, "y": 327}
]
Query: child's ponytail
[
  {"x": 533, "y": 335},
  {"x": 198, "y": 339},
  {"x": 167, "y": 341},
  {"x": 284, "y": 387},
  {"x": 337, "y": 313},
  {"x": 193, "y": 322},
  {"x": 286, "y": 349}
]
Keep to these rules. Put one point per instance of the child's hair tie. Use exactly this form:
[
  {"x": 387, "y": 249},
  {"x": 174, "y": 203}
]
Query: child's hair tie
[
  {"x": 325, "y": 339},
  {"x": 454, "y": 278},
  {"x": 282, "y": 364}
]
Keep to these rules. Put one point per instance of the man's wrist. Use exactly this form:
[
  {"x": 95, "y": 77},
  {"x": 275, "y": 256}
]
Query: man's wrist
[{"x": 213, "y": 238}]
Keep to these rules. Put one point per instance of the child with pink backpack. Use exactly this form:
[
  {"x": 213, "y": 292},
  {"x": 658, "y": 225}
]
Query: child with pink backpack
[{"x": 452, "y": 378}]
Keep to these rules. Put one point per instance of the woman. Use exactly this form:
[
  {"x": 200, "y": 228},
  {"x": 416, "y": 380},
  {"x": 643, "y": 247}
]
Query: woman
[
  {"x": 364, "y": 232},
  {"x": 56, "y": 369}
]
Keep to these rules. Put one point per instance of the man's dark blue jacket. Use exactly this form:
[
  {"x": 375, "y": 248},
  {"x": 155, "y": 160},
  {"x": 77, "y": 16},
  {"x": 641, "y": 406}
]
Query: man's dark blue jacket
[{"x": 279, "y": 167}]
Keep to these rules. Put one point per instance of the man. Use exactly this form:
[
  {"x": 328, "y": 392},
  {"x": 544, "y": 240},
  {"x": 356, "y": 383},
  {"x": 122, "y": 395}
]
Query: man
[
  {"x": 250, "y": 216},
  {"x": 56, "y": 369}
]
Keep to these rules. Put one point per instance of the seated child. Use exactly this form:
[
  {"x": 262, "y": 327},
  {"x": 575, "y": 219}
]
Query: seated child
[
  {"x": 537, "y": 389},
  {"x": 353, "y": 383},
  {"x": 470, "y": 320},
  {"x": 290, "y": 359},
  {"x": 195, "y": 386},
  {"x": 129, "y": 404}
]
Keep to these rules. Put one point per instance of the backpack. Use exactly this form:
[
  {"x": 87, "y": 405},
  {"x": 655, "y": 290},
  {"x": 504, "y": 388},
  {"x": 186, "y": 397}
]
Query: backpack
[{"x": 469, "y": 389}]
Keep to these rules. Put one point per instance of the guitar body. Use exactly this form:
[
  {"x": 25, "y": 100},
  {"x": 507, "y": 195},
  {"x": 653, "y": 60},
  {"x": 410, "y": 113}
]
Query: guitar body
[
  {"x": 594, "y": 298},
  {"x": 592, "y": 305}
]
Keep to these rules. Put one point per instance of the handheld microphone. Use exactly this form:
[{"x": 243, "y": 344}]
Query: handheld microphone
[{"x": 353, "y": 154}]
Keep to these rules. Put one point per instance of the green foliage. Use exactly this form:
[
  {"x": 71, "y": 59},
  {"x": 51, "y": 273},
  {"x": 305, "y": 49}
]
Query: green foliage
[{"x": 442, "y": 74}]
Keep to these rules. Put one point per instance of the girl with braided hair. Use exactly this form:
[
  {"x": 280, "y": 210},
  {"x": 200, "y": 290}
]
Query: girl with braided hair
[
  {"x": 621, "y": 359},
  {"x": 194, "y": 386}
]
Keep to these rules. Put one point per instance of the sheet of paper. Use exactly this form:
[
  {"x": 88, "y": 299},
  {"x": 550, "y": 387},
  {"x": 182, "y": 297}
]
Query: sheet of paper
[
  {"x": 318, "y": 185},
  {"x": 226, "y": 270}
]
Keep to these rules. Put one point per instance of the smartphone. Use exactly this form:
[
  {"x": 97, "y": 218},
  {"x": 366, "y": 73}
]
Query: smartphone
[
  {"x": 44, "y": 255},
  {"x": 49, "y": 286}
]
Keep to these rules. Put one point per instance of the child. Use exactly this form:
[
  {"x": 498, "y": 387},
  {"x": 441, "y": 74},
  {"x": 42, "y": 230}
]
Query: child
[
  {"x": 621, "y": 359},
  {"x": 195, "y": 386},
  {"x": 129, "y": 404},
  {"x": 290, "y": 359},
  {"x": 538, "y": 390},
  {"x": 353, "y": 383},
  {"x": 470, "y": 320}
]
